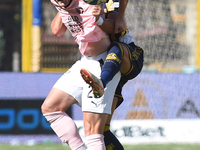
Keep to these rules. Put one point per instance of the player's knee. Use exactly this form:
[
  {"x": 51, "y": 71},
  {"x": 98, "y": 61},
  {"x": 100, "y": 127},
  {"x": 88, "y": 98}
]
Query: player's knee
[
  {"x": 46, "y": 107},
  {"x": 117, "y": 44},
  {"x": 115, "y": 54},
  {"x": 87, "y": 129},
  {"x": 91, "y": 128},
  {"x": 116, "y": 48}
]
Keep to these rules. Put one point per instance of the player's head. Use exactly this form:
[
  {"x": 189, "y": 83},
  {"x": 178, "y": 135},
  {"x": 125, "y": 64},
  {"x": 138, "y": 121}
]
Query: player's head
[
  {"x": 95, "y": 2},
  {"x": 63, "y": 3}
]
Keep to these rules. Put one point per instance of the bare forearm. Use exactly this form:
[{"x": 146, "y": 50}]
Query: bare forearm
[
  {"x": 115, "y": 22},
  {"x": 108, "y": 26},
  {"x": 122, "y": 7},
  {"x": 57, "y": 26},
  {"x": 120, "y": 23}
]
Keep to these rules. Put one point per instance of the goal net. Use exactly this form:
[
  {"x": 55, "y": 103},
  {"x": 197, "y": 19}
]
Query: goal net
[{"x": 166, "y": 30}]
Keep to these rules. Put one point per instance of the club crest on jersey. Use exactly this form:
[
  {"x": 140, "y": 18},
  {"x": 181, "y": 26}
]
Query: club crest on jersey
[{"x": 113, "y": 56}]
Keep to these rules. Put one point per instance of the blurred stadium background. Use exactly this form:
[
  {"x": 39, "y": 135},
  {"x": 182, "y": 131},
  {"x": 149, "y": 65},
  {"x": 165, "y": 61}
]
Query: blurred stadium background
[{"x": 162, "y": 104}]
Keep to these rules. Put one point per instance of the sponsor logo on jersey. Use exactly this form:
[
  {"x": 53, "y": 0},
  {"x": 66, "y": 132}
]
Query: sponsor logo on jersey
[{"x": 113, "y": 56}]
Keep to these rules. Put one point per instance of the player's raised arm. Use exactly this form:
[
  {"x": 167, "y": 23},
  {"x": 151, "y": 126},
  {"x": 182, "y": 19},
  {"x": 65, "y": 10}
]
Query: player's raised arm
[
  {"x": 107, "y": 25},
  {"x": 114, "y": 23},
  {"x": 120, "y": 24},
  {"x": 57, "y": 26}
]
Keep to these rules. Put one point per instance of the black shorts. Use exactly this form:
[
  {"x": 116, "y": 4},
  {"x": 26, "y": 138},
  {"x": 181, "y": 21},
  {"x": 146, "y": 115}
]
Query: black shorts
[{"x": 136, "y": 57}]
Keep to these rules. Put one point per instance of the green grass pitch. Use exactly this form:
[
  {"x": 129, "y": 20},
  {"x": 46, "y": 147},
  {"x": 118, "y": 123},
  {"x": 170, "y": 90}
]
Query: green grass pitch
[{"x": 127, "y": 147}]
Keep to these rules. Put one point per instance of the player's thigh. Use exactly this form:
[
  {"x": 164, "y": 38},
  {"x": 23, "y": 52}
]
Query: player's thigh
[
  {"x": 57, "y": 100},
  {"x": 126, "y": 63},
  {"x": 94, "y": 123},
  {"x": 66, "y": 91}
]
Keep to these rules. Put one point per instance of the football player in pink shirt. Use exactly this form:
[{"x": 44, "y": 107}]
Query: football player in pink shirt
[{"x": 76, "y": 16}]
